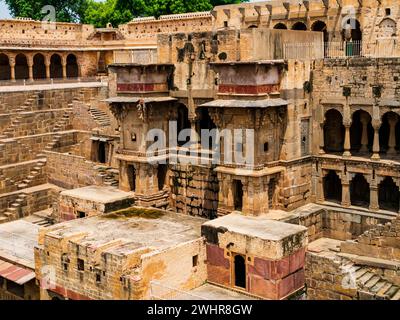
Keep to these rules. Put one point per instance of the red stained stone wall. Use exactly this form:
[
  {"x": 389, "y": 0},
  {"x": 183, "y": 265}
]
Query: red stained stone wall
[
  {"x": 69, "y": 294},
  {"x": 271, "y": 279}
]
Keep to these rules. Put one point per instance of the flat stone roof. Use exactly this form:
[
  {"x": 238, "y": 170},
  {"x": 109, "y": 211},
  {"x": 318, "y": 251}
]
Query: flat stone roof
[
  {"x": 131, "y": 229},
  {"x": 17, "y": 242},
  {"x": 261, "y": 227},
  {"x": 98, "y": 194},
  {"x": 213, "y": 292}
]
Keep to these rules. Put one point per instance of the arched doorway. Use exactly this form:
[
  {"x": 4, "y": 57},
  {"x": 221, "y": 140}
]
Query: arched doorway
[
  {"x": 300, "y": 26},
  {"x": 72, "y": 66},
  {"x": 56, "y": 70},
  {"x": 183, "y": 122},
  {"x": 389, "y": 195},
  {"x": 240, "y": 271},
  {"x": 21, "y": 67},
  {"x": 320, "y": 26},
  {"x": 361, "y": 132},
  {"x": 389, "y": 134},
  {"x": 334, "y": 132},
  {"x": 5, "y": 69},
  {"x": 39, "y": 67},
  {"x": 359, "y": 191},
  {"x": 253, "y": 26},
  {"x": 352, "y": 35},
  {"x": 280, "y": 26},
  {"x": 333, "y": 187}
]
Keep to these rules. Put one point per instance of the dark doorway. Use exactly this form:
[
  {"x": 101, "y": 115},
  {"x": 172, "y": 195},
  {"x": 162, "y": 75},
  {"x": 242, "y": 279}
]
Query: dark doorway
[
  {"x": 101, "y": 155},
  {"x": 183, "y": 122},
  {"x": 359, "y": 191},
  {"x": 240, "y": 272},
  {"x": 5, "y": 69},
  {"x": 39, "y": 67},
  {"x": 132, "y": 177},
  {"x": 333, "y": 187},
  {"x": 21, "y": 67},
  {"x": 206, "y": 123},
  {"x": 280, "y": 26},
  {"x": 361, "y": 126},
  {"x": 161, "y": 176},
  {"x": 238, "y": 195},
  {"x": 320, "y": 26},
  {"x": 56, "y": 69},
  {"x": 72, "y": 67},
  {"x": 334, "y": 132},
  {"x": 300, "y": 26},
  {"x": 389, "y": 195}
]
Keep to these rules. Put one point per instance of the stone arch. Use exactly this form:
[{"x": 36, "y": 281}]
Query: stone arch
[
  {"x": 333, "y": 131},
  {"x": 361, "y": 132},
  {"x": 72, "y": 66},
  {"x": 280, "y": 26},
  {"x": 389, "y": 133},
  {"x": 359, "y": 191},
  {"x": 39, "y": 66},
  {"x": 300, "y": 26},
  {"x": 387, "y": 28},
  {"x": 5, "y": 69},
  {"x": 56, "y": 66},
  {"x": 352, "y": 34},
  {"x": 321, "y": 26},
  {"x": 21, "y": 67},
  {"x": 253, "y": 26},
  {"x": 332, "y": 187},
  {"x": 389, "y": 195}
]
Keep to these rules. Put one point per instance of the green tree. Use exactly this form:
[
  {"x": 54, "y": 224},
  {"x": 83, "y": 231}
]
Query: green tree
[
  {"x": 65, "y": 10},
  {"x": 101, "y": 13},
  {"x": 160, "y": 7}
]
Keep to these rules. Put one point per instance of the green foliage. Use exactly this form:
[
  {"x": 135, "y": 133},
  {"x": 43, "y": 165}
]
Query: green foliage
[
  {"x": 114, "y": 11},
  {"x": 66, "y": 10},
  {"x": 101, "y": 13}
]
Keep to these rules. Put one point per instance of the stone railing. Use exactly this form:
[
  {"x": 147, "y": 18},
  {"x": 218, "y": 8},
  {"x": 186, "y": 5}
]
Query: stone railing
[{"x": 381, "y": 48}]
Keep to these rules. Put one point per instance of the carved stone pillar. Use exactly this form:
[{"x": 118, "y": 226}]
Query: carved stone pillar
[
  {"x": 347, "y": 145},
  {"x": 64, "y": 70},
  {"x": 392, "y": 119},
  {"x": 364, "y": 119},
  {"x": 320, "y": 187},
  {"x": 376, "y": 148},
  {"x": 346, "y": 191},
  {"x": 12, "y": 67},
  {"x": 124, "y": 177},
  {"x": 48, "y": 73},
  {"x": 374, "y": 202}
]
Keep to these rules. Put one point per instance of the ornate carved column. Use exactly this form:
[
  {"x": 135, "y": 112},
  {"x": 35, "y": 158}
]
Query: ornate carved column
[
  {"x": 320, "y": 186},
  {"x": 364, "y": 119},
  {"x": 374, "y": 202},
  {"x": 392, "y": 119},
  {"x": 376, "y": 148},
  {"x": 347, "y": 144},
  {"x": 345, "y": 191}
]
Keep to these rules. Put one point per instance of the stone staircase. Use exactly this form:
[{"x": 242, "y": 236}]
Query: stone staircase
[
  {"x": 100, "y": 117},
  {"x": 109, "y": 175},
  {"x": 37, "y": 170},
  {"x": 27, "y": 106},
  {"x": 14, "y": 210},
  {"x": 63, "y": 123},
  {"x": 372, "y": 286}
]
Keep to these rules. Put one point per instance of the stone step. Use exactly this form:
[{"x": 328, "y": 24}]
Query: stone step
[
  {"x": 396, "y": 296},
  {"x": 374, "y": 280},
  {"x": 392, "y": 291},
  {"x": 381, "y": 292},
  {"x": 22, "y": 186}
]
